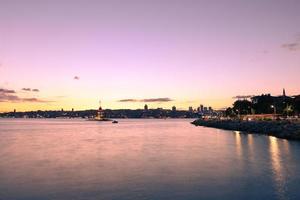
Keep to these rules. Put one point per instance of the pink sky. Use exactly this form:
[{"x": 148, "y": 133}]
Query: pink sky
[{"x": 193, "y": 52}]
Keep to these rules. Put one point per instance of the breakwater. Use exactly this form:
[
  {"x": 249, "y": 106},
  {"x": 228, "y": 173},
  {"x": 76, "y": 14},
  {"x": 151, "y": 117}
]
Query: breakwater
[{"x": 281, "y": 129}]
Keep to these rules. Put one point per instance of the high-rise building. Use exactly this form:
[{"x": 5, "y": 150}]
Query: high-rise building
[
  {"x": 201, "y": 108},
  {"x": 190, "y": 109}
]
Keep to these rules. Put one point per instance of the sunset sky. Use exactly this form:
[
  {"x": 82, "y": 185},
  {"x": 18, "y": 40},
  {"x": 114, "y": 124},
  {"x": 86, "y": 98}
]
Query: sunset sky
[{"x": 70, "y": 54}]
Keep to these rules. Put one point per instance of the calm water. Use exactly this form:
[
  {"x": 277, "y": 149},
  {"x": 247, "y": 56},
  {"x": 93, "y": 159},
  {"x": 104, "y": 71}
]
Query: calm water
[{"x": 142, "y": 159}]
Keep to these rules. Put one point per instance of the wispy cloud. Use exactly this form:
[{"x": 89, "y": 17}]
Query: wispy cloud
[
  {"x": 7, "y": 91},
  {"x": 60, "y": 96},
  {"x": 157, "y": 100},
  {"x": 29, "y": 90},
  {"x": 128, "y": 100},
  {"x": 294, "y": 46},
  {"x": 15, "y": 98},
  {"x": 166, "y": 99},
  {"x": 26, "y": 89},
  {"x": 35, "y": 100},
  {"x": 76, "y": 78},
  {"x": 7, "y": 95},
  {"x": 242, "y": 96}
]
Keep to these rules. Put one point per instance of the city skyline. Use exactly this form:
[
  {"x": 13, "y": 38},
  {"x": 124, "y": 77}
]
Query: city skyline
[{"x": 71, "y": 55}]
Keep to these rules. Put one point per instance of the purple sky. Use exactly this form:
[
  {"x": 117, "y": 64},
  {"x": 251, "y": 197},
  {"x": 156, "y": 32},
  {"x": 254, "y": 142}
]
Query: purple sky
[{"x": 189, "y": 51}]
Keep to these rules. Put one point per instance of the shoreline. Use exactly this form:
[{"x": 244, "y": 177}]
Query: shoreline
[{"x": 280, "y": 129}]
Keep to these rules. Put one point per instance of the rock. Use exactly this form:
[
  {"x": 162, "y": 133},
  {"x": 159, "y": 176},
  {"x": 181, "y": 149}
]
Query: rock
[{"x": 281, "y": 129}]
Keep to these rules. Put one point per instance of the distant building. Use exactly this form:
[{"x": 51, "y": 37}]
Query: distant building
[
  {"x": 201, "y": 108},
  {"x": 190, "y": 109},
  {"x": 174, "y": 108},
  {"x": 146, "y": 107}
]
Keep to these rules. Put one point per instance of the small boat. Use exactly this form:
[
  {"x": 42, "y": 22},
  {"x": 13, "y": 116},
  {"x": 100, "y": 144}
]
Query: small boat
[{"x": 115, "y": 122}]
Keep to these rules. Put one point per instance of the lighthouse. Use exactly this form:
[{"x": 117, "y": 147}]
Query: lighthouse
[{"x": 100, "y": 113}]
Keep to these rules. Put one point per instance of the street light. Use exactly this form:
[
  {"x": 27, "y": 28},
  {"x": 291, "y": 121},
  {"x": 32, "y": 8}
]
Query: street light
[{"x": 272, "y": 106}]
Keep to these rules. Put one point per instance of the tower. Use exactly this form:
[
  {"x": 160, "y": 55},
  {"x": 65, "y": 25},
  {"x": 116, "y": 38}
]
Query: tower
[
  {"x": 100, "y": 112},
  {"x": 201, "y": 108},
  {"x": 174, "y": 108},
  {"x": 146, "y": 107},
  {"x": 283, "y": 92}
]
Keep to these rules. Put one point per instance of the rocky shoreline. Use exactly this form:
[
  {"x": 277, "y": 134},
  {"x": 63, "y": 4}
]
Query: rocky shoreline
[{"x": 281, "y": 129}]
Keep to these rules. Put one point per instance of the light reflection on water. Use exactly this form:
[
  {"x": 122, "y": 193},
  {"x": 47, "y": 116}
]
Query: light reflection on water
[
  {"x": 142, "y": 159},
  {"x": 250, "y": 146},
  {"x": 238, "y": 142},
  {"x": 276, "y": 166}
]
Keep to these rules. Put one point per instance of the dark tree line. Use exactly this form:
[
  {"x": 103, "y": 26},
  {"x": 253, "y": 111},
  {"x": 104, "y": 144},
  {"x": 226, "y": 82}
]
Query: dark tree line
[{"x": 266, "y": 104}]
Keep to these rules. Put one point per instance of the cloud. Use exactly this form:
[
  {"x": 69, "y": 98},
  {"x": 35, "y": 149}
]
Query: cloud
[
  {"x": 242, "y": 96},
  {"x": 147, "y": 100},
  {"x": 29, "y": 90},
  {"x": 76, "y": 78},
  {"x": 158, "y": 100},
  {"x": 4, "y": 97},
  {"x": 7, "y": 95},
  {"x": 61, "y": 96},
  {"x": 294, "y": 46},
  {"x": 35, "y": 100},
  {"x": 128, "y": 100},
  {"x": 6, "y": 91},
  {"x": 15, "y": 99}
]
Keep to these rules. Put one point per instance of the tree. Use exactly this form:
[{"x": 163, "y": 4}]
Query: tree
[
  {"x": 263, "y": 104},
  {"x": 296, "y": 104},
  {"x": 242, "y": 107},
  {"x": 230, "y": 113}
]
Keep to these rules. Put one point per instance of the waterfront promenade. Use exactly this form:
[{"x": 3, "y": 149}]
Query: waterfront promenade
[{"x": 282, "y": 129}]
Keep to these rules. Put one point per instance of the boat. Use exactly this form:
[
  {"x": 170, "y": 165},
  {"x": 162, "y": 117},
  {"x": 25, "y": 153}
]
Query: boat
[{"x": 115, "y": 122}]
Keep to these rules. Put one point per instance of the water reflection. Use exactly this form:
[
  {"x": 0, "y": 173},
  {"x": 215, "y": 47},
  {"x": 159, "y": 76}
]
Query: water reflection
[
  {"x": 142, "y": 159},
  {"x": 250, "y": 147},
  {"x": 276, "y": 166},
  {"x": 238, "y": 142}
]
